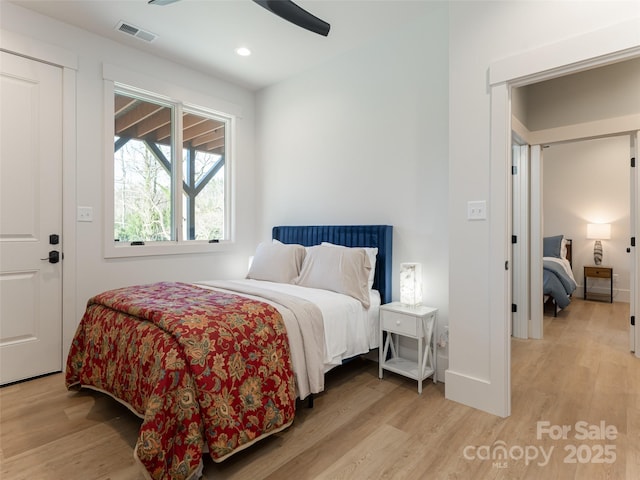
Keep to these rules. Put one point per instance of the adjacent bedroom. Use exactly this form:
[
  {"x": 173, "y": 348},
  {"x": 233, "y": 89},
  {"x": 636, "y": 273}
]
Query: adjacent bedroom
[{"x": 584, "y": 181}]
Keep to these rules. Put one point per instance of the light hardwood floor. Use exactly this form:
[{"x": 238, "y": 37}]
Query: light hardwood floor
[{"x": 366, "y": 428}]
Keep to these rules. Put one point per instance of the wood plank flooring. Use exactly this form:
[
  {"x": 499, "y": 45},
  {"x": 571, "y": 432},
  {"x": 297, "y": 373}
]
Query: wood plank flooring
[{"x": 366, "y": 428}]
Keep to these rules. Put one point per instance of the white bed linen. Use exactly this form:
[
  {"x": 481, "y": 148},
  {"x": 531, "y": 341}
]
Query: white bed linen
[
  {"x": 349, "y": 328},
  {"x": 373, "y": 320}
]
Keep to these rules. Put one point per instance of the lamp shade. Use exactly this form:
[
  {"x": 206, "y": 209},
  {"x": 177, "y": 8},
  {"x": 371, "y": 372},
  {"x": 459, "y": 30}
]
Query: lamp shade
[
  {"x": 599, "y": 231},
  {"x": 410, "y": 284}
]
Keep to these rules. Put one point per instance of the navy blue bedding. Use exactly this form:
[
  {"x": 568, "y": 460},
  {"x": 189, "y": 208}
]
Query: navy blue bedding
[{"x": 556, "y": 283}]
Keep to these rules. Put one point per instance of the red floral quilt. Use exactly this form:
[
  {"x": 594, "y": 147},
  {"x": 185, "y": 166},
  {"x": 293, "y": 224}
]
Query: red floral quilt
[{"x": 200, "y": 366}]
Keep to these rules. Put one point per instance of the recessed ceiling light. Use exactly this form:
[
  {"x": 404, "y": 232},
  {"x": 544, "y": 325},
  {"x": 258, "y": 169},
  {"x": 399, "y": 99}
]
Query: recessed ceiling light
[{"x": 243, "y": 51}]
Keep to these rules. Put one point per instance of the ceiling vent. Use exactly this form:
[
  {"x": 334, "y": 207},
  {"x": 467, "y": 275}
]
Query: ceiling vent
[{"x": 134, "y": 31}]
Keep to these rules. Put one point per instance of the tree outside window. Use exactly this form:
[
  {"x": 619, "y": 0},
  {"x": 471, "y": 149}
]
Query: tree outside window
[{"x": 146, "y": 171}]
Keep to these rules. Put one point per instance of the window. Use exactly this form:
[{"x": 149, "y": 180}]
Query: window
[{"x": 170, "y": 172}]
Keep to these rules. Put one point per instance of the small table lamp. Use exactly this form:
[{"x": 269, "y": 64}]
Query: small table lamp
[
  {"x": 411, "y": 284},
  {"x": 597, "y": 232}
]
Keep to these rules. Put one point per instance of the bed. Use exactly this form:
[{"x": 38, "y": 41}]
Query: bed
[
  {"x": 215, "y": 366},
  {"x": 558, "y": 282}
]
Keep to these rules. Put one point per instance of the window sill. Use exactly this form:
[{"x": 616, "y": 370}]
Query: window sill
[{"x": 165, "y": 248}]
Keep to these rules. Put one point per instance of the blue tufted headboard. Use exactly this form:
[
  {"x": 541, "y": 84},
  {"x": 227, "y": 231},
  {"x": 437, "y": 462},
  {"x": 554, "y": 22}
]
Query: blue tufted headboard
[{"x": 379, "y": 236}]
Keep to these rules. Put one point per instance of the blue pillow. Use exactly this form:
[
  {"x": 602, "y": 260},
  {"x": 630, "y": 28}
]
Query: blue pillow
[{"x": 551, "y": 246}]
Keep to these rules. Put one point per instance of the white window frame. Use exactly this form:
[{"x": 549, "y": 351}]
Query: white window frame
[{"x": 140, "y": 85}]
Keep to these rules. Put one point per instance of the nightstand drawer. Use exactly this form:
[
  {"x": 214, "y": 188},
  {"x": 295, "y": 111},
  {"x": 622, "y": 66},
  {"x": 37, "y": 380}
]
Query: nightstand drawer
[
  {"x": 597, "y": 272},
  {"x": 399, "y": 323}
]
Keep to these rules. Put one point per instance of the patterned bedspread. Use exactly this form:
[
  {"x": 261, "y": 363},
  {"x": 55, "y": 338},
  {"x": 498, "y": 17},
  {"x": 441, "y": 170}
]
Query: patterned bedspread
[{"x": 199, "y": 366}]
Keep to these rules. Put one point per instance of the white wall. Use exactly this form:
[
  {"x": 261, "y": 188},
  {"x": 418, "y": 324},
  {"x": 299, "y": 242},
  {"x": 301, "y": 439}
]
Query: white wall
[
  {"x": 573, "y": 106},
  {"x": 93, "y": 273},
  {"x": 481, "y": 33},
  {"x": 363, "y": 140},
  {"x": 588, "y": 182},
  {"x": 595, "y": 94}
]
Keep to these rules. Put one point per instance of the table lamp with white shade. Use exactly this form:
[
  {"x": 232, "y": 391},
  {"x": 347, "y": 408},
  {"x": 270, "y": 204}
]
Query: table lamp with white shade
[{"x": 598, "y": 232}]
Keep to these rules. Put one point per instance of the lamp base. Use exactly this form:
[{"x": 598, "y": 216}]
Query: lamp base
[{"x": 597, "y": 252}]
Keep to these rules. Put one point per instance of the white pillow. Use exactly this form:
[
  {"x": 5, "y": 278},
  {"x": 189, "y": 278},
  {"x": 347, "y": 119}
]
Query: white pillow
[
  {"x": 277, "y": 262},
  {"x": 342, "y": 270},
  {"x": 371, "y": 253}
]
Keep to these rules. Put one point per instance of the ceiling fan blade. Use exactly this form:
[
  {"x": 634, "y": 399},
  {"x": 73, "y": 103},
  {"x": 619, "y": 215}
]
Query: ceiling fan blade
[
  {"x": 162, "y": 3},
  {"x": 293, "y": 13}
]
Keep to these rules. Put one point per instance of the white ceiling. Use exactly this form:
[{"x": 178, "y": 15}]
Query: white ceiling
[{"x": 204, "y": 34}]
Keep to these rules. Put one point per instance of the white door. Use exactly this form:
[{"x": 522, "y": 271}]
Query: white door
[
  {"x": 634, "y": 214},
  {"x": 30, "y": 211}
]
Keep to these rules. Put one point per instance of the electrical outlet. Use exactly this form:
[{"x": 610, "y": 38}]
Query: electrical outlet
[
  {"x": 443, "y": 338},
  {"x": 615, "y": 278}
]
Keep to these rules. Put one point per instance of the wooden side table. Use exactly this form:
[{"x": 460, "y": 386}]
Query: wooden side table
[{"x": 598, "y": 272}]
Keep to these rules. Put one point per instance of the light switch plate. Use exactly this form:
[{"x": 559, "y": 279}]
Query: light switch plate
[
  {"x": 477, "y": 210},
  {"x": 85, "y": 214}
]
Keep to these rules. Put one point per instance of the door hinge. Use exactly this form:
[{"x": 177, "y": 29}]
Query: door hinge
[
  {"x": 506, "y": 265},
  {"x": 633, "y": 241},
  {"x": 514, "y": 308},
  {"x": 633, "y": 320},
  {"x": 514, "y": 239},
  {"x": 633, "y": 162},
  {"x": 514, "y": 169}
]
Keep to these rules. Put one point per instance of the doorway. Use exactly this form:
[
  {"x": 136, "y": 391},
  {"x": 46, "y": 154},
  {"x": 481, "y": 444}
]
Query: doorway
[
  {"x": 616, "y": 43},
  {"x": 549, "y": 105},
  {"x": 586, "y": 181}
]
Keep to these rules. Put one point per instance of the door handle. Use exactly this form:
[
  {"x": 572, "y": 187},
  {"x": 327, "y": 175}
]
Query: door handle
[{"x": 54, "y": 256}]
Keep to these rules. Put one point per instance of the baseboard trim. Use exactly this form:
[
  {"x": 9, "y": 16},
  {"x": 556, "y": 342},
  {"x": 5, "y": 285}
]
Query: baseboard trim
[
  {"x": 471, "y": 391},
  {"x": 619, "y": 294}
]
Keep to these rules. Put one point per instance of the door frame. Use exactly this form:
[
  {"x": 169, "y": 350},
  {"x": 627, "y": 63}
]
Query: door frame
[
  {"x": 536, "y": 226},
  {"x": 597, "y": 48},
  {"x": 21, "y": 45},
  {"x": 535, "y": 244},
  {"x": 634, "y": 231},
  {"x": 521, "y": 296}
]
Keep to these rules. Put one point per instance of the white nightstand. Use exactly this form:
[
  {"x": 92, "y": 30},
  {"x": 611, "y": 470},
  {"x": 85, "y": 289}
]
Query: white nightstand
[{"x": 413, "y": 322}]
